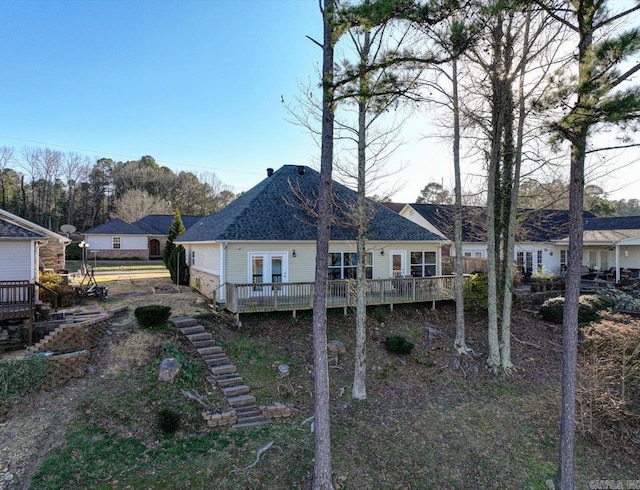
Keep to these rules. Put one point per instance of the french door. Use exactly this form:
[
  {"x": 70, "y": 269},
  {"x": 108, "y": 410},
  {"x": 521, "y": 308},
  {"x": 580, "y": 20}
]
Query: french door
[{"x": 265, "y": 269}]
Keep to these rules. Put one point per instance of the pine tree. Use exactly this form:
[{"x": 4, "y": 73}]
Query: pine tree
[{"x": 175, "y": 230}]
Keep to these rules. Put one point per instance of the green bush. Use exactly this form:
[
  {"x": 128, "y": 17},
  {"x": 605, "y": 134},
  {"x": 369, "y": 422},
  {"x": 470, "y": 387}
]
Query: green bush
[
  {"x": 589, "y": 307},
  {"x": 168, "y": 421},
  {"x": 152, "y": 316},
  {"x": 397, "y": 344},
  {"x": 476, "y": 293},
  {"x": 73, "y": 251},
  {"x": 178, "y": 267},
  {"x": 20, "y": 377}
]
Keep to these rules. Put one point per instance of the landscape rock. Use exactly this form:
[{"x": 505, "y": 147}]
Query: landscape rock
[{"x": 169, "y": 369}]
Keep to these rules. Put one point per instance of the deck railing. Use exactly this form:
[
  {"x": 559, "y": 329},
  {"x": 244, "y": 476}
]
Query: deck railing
[
  {"x": 17, "y": 299},
  {"x": 292, "y": 296}
]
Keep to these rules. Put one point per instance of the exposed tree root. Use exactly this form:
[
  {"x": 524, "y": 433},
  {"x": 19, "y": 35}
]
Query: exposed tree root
[
  {"x": 524, "y": 342},
  {"x": 259, "y": 453},
  {"x": 197, "y": 398}
]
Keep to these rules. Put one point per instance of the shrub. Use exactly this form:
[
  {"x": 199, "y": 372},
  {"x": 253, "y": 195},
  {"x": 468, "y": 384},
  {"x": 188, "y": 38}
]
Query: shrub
[
  {"x": 476, "y": 293},
  {"x": 152, "y": 316},
  {"x": 589, "y": 308},
  {"x": 178, "y": 267},
  {"x": 397, "y": 344},
  {"x": 20, "y": 377},
  {"x": 168, "y": 421},
  {"x": 73, "y": 251},
  {"x": 608, "y": 395}
]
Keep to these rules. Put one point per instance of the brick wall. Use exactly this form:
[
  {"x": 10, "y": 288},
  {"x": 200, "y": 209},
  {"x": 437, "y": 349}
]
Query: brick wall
[
  {"x": 142, "y": 254},
  {"x": 65, "y": 367},
  {"x": 74, "y": 337}
]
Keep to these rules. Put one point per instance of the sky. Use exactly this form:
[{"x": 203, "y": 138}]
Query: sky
[{"x": 198, "y": 85}]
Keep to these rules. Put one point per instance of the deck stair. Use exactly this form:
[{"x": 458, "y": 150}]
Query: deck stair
[{"x": 225, "y": 374}]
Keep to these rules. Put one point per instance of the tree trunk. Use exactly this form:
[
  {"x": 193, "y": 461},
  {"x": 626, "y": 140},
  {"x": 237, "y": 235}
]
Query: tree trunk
[
  {"x": 460, "y": 344},
  {"x": 322, "y": 463},
  {"x": 359, "y": 390}
]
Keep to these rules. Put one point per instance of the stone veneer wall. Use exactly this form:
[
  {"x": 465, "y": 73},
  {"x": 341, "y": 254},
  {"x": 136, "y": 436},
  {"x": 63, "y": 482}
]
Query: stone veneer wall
[
  {"x": 52, "y": 254},
  {"x": 204, "y": 282}
]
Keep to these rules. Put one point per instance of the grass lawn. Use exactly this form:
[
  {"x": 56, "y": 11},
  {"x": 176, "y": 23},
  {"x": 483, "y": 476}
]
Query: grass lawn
[
  {"x": 431, "y": 420},
  {"x": 114, "y": 265}
]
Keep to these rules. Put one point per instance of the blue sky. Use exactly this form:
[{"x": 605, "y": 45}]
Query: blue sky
[{"x": 195, "y": 84}]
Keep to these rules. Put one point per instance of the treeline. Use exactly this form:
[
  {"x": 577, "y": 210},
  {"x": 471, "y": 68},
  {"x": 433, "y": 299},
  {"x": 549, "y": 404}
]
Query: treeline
[{"x": 52, "y": 188}]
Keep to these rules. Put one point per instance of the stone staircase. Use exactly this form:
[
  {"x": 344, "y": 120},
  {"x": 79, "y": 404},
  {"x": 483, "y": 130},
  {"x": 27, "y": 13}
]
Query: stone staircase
[{"x": 224, "y": 372}]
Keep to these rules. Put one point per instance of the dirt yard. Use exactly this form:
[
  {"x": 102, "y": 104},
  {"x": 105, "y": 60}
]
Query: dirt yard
[{"x": 38, "y": 423}]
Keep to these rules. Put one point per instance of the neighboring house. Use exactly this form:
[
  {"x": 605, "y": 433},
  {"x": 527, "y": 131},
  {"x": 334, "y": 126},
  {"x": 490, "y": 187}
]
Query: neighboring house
[
  {"x": 267, "y": 238},
  {"x": 539, "y": 233},
  {"x": 143, "y": 239},
  {"x": 25, "y": 250},
  {"x": 51, "y": 248},
  {"x": 611, "y": 246},
  {"x": 157, "y": 226},
  {"x": 117, "y": 239}
]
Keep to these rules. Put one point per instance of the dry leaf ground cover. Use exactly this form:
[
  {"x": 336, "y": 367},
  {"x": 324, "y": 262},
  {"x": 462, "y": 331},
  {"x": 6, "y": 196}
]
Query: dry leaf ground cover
[{"x": 431, "y": 420}]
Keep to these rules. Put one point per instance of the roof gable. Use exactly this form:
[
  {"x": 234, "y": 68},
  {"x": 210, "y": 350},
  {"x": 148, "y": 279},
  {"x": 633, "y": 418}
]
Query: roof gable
[
  {"x": 282, "y": 207},
  {"x": 115, "y": 227},
  {"x": 533, "y": 225},
  {"x": 14, "y": 231},
  {"x": 159, "y": 224},
  {"x": 39, "y": 231}
]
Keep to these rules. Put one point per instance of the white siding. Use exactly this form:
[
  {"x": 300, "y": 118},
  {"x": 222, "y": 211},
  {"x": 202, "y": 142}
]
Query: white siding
[
  {"x": 127, "y": 242},
  {"x": 17, "y": 261}
]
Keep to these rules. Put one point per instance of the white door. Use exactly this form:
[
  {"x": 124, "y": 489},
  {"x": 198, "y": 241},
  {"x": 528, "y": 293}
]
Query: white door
[{"x": 267, "y": 268}]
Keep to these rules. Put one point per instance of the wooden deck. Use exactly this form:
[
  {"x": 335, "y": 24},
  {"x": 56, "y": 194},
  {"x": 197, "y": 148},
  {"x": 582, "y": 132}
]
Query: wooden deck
[
  {"x": 294, "y": 296},
  {"x": 17, "y": 299}
]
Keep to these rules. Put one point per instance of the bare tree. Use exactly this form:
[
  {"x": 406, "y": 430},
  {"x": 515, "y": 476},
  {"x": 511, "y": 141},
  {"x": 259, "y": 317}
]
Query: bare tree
[
  {"x": 135, "y": 204},
  {"x": 6, "y": 159},
  {"x": 75, "y": 169}
]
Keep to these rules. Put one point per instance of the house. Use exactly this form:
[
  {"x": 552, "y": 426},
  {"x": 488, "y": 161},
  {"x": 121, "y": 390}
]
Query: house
[
  {"x": 52, "y": 246},
  {"x": 261, "y": 248},
  {"x": 539, "y": 234},
  {"x": 611, "y": 246},
  {"x": 143, "y": 239},
  {"x": 24, "y": 246}
]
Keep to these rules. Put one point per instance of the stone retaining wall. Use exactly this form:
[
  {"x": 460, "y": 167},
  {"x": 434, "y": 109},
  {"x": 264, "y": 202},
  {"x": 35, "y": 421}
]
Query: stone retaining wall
[
  {"x": 74, "y": 337},
  {"x": 142, "y": 254},
  {"x": 64, "y": 367}
]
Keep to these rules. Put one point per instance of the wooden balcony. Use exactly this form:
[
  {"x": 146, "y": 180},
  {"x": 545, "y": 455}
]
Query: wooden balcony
[
  {"x": 17, "y": 299},
  {"x": 293, "y": 296}
]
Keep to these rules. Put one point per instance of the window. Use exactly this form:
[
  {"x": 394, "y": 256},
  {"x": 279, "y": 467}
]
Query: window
[
  {"x": 423, "y": 264},
  {"x": 193, "y": 257},
  {"x": 563, "y": 260},
  {"x": 604, "y": 260},
  {"x": 116, "y": 243},
  {"x": 592, "y": 260},
  {"x": 343, "y": 265}
]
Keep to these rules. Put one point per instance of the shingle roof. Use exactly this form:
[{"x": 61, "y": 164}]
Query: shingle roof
[
  {"x": 276, "y": 209},
  {"x": 115, "y": 227},
  {"x": 11, "y": 230},
  {"x": 534, "y": 225},
  {"x": 159, "y": 224},
  {"x": 613, "y": 223}
]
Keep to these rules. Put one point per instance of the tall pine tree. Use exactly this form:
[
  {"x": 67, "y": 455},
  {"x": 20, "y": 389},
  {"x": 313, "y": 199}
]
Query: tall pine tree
[{"x": 175, "y": 230}]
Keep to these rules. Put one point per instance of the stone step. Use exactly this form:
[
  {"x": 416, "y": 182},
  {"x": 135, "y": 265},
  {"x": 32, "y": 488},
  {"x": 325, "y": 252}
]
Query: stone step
[
  {"x": 224, "y": 369},
  {"x": 183, "y": 321},
  {"x": 232, "y": 391},
  {"x": 236, "y": 380},
  {"x": 252, "y": 418},
  {"x": 192, "y": 329},
  {"x": 207, "y": 351},
  {"x": 201, "y": 344},
  {"x": 241, "y": 400},
  {"x": 200, "y": 336},
  {"x": 241, "y": 425},
  {"x": 218, "y": 360},
  {"x": 248, "y": 411}
]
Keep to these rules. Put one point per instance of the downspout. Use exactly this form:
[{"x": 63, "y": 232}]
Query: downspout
[
  {"x": 617, "y": 262},
  {"x": 223, "y": 271}
]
